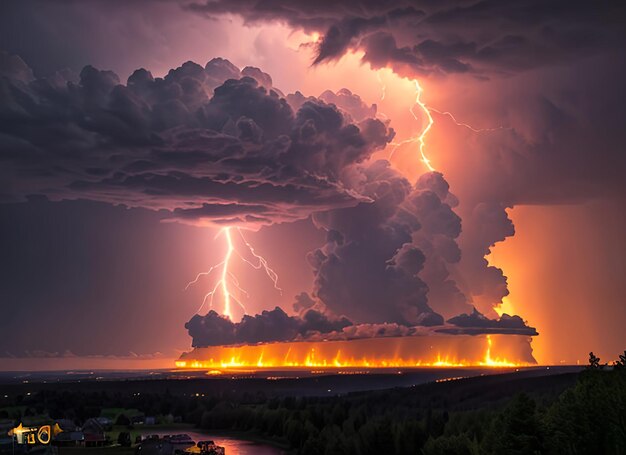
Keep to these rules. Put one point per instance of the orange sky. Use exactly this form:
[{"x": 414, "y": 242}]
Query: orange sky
[
  {"x": 565, "y": 268},
  {"x": 565, "y": 262}
]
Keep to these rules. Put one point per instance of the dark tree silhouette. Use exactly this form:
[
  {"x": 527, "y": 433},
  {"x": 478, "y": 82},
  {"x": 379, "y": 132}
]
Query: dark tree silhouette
[
  {"x": 124, "y": 439},
  {"x": 594, "y": 362},
  {"x": 621, "y": 363},
  {"x": 122, "y": 420}
]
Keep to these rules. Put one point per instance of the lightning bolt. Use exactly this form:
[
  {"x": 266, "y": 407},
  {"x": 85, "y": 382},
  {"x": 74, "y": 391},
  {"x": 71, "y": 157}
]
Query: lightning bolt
[
  {"x": 426, "y": 110},
  {"x": 223, "y": 280},
  {"x": 383, "y": 87},
  {"x": 422, "y": 137},
  {"x": 262, "y": 263},
  {"x": 469, "y": 127},
  {"x": 228, "y": 279}
]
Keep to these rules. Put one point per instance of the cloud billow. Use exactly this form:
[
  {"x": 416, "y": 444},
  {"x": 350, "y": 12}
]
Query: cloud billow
[
  {"x": 206, "y": 145},
  {"x": 483, "y": 38},
  {"x": 217, "y": 145},
  {"x": 268, "y": 326}
]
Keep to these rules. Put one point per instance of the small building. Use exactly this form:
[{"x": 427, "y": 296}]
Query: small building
[
  {"x": 150, "y": 420},
  {"x": 138, "y": 419},
  {"x": 69, "y": 439},
  {"x": 106, "y": 423},
  {"x": 67, "y": 425},
  {"x": 95, "y": 435}
]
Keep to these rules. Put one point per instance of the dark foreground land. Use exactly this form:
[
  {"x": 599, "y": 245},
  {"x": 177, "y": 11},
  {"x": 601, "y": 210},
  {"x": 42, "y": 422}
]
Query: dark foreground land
[{"x": 557, "y": 410}]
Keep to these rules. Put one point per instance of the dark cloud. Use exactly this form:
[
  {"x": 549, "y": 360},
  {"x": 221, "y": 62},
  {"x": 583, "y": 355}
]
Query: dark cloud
[
  {"x": 476, "y": 323},
  {"x": 350, "y": 103},
  {"x": 372, "y": 268},
  {"x": 561, "y": 144},
  {"x": 388, "y": 261},
  {"x": 434, "y": 205},
  {"x": 406, "y": 247},
  {"x": 192, "y": 143},
  {"x": 484, "y": 225},
  {"x": 303, "y": 303},
  {"x": 358, "y": 331},
  {"x": 275, "y": 325},
  {"x": 485, "y": 37},
  {"x": 236, "y": 151}
]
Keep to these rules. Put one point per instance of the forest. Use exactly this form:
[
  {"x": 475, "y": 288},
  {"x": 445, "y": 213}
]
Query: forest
[{"x": 574, "y": 413}]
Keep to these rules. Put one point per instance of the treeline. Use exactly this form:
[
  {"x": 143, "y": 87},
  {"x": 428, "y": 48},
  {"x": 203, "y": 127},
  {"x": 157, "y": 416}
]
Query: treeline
[
  {"x": 575, "y": 415},
  {"x": 588, "y": 418}
]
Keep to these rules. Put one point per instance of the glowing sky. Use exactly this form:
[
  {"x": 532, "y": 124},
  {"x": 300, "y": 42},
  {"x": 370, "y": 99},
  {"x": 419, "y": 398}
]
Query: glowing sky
[{"x": 73, "y": 270}]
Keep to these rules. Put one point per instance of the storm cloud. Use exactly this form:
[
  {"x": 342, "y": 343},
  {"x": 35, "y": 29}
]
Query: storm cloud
[
  {"x": 219, "y": 145},
  {"x": 274, "y": 325},
  {"x": 483, "y": 38},
  {"x": 205, "y": 144},
  {"x": 526, "y": 60}
]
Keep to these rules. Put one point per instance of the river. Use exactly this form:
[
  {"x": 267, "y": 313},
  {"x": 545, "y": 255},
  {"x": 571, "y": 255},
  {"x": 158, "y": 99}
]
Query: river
[{"x": 232, "y": 445}]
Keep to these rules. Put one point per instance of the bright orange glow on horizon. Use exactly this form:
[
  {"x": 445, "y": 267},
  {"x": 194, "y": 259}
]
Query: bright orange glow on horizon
[
  {"x": 567, "y": 336},
  {"x": 403, "y": 352}
]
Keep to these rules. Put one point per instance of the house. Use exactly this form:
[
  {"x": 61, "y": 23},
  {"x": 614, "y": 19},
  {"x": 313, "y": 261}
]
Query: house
[
  {"x": 180, "y": 441},
  {"x": 67, "y": 425},
  {"x": 106, "y": 423},
  {"x": 138, "y": 419},
  {"x": 69, "y": 439},
  {"x": 94, "y": 433}
]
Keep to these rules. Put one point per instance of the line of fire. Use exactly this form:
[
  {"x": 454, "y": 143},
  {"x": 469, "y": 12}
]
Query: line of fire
[{"x": 391, "y": 352}]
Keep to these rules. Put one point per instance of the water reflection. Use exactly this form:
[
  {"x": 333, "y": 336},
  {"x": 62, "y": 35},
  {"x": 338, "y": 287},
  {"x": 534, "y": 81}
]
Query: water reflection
[{"x": 232, "y": 445}]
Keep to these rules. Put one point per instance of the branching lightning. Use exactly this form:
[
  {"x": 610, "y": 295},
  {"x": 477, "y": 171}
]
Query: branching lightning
[
  {"x": 225, "y": 275},
  {"x": 421, "y": 137},
  {"x": 469, "y": 127},
  {"x": 228, "y": 279},
  {"x": 262, "y": 263}
]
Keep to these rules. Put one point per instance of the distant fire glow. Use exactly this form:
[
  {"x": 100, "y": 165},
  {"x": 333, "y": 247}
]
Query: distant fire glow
[
  {"x": 227, "y": 278},
  {"x": 403, "y": 352}
]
